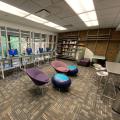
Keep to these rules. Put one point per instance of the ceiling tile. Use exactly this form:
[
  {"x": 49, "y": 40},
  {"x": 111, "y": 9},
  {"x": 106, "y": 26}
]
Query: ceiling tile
[
  {"x": 16, "y": 3},
  {"x": 60, "y": 13},
  {"x": 102, "y": 4},
  {"x": 29, "y": 6},
  {"x": 55, "y": 1},
  {"x": 43, "y": 3},
  {"x": 61, "y": 10},
  {"x": 108, "y": 12},
  {"x": 54, "y": 9}
]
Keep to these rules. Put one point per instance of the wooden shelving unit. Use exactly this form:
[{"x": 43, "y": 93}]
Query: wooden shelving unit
[
  {"x": 103, "y": 42},
  {"x": 99, "y": 41},
  {"x": 67, "y": 45}
]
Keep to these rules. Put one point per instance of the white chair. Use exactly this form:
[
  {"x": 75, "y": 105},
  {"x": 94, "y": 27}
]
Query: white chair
[
  {"x": 101, "y": 69},
  {"x": 98, "y": 67},
  {"x": 102, "y": 74}
]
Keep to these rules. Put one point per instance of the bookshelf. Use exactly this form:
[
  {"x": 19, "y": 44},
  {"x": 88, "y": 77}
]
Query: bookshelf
[
  {"x": 102, "y": 42},
  {"x": 67, "y": 45}
]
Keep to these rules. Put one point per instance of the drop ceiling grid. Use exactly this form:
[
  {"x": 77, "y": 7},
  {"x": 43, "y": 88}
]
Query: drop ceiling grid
[
  {"x": 16, "y": 3},
  {"x": 107, "y": 12},
  {"x": 103, "y": 4},
  {"x": 29, "y": 6},
  {"x": 61, "y": 10},
  {"x": 43, "y": 3}
]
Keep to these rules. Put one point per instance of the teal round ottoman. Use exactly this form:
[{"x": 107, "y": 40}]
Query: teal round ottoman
[
  {"x": 73, "y": 70},
  {"x": 61, "y": 81}
]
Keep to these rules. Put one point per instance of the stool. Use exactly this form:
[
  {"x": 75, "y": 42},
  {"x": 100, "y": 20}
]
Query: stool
[
  {"x": 101, "y": 74},
  {"x": 73, "y": 70},
  {"x": 61, "y": 81},
  {"x": 98, "y": 67}
]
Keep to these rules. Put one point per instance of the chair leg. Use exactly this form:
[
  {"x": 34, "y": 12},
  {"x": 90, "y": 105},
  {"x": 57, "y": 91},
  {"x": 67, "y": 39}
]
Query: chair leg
[
  {"x": 99, "y": 83},
  {"x": 105, "y": 85},
  {"x": 42, "y": 91},
  {"x": 101, "y": 80},
  {"x": 113, "y": 86}
]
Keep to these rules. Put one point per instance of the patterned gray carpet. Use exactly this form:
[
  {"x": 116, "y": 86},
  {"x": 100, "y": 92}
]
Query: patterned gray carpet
[{"x": 20, "y": 99}]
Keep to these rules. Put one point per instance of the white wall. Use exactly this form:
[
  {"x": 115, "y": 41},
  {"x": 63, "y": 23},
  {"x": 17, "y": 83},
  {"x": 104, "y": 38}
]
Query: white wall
[
  {"x": 88, "y": 54},
  {"x": 23, "y": 27}
]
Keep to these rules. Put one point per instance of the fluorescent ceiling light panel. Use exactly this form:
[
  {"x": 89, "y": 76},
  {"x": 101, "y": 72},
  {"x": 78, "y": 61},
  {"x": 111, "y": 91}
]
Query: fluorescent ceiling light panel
[
  {"x": 35, "y": 18},
  {"x": 92, "y": 23},
  {"x": 88, "y": 16},
  {"x": 85, "y": 10},
  {"x": 12, "y": 10},
  {"x": 60, "y": 28},
  {"x": 51, "y": 24},
  {"x": 21, "y": 13},
  {"x": 80, "y": 6},
  {"x": 44, "y": 22}
]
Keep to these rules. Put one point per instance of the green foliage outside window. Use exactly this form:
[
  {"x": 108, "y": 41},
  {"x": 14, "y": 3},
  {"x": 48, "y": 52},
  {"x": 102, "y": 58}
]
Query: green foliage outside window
[{"x": 14, "y": 42}]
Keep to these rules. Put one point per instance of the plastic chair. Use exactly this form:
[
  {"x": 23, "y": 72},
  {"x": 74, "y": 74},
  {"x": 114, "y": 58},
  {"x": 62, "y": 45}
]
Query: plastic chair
[{"x": 38, "y": 77}]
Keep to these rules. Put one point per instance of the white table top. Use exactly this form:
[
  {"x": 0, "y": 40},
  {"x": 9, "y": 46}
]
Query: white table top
[{"x": 113, "y": 67}]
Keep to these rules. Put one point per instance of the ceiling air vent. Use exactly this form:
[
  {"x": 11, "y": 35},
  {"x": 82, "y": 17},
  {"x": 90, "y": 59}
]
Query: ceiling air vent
[{"x": 42, "y": 13}]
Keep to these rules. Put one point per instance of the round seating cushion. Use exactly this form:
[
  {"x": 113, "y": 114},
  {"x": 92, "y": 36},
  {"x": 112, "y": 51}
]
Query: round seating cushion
[
  {"x": 73, "y": 70},
  {"x": 61, "y": 81},
  {"x": 97, "y": 65},
  {"x": 102, "y": 73}
]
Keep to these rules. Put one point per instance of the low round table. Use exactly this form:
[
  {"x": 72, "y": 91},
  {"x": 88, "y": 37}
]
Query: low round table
[
  {"x": 73, "y": 70},
  {"x": 61, "y": 81}
]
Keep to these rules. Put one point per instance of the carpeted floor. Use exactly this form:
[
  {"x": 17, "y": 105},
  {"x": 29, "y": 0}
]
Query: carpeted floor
[{"x": 21, "y": 100}]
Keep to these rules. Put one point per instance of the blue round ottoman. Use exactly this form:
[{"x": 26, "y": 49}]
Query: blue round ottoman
[
  {"x": 61, "y": 81},
  {"x": 73, "y": 70}
]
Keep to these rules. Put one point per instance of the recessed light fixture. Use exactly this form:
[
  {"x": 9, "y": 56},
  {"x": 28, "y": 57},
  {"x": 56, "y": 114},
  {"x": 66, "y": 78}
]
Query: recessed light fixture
[
  {"x": 80, "y": 6},
  {"x": 51, "y": 24},
  {"x": 36, "y": 18},
  {"x": 88, "y": 16},
  {"x": 60, "y": 28},
  {"x": 21, "y": 13},
  {"x": 85, "y": 10},
  {"x": 92, "y": 23},
  {"x": 12, "y": 10}
]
